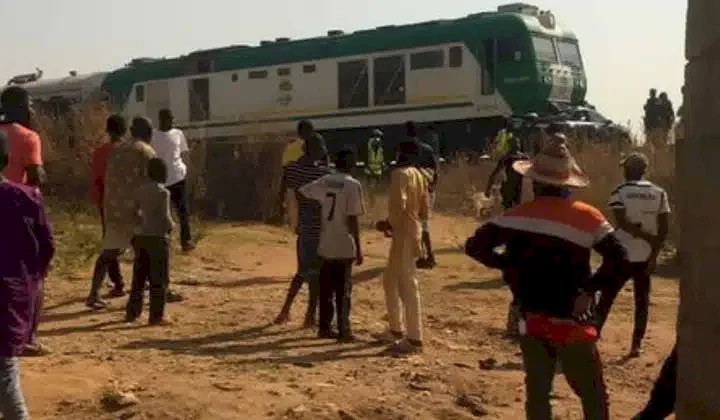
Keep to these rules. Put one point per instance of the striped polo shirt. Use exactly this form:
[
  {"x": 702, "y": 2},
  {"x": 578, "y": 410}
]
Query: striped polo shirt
[
  {"x": 548, "y": 245},
  {"x": 295, "y": 175}
]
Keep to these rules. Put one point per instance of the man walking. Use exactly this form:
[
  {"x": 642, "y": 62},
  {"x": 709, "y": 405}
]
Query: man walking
[
  {"x": 407, "y": 207},
  {"x": 375, "y": 162},
  {"x": 641, "y": 210},
  {"x": 24, "y": 166},
  {"x": 341, "y": 198},
  {"x": 171, "y": 146},
  {"x": 126, "y": 169},
  {"x": 26, "y": 249},
  {"x": 546, "y": 262},
  {"x": 303, "y": 171},
  {"x": 116, "y": 127},
  {"x": 512, "y": 181}
]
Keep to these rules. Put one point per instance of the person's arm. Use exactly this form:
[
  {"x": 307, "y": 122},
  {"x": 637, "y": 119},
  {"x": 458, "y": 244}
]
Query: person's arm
[
  {"x": 482, "y": 248},
  {"x": 397, "y": 197},
  {"x": 46, "y": 241},
  {"x": 663, "y": 223},
  {"x": 355, "y": 209},
  {"x": 33, "y": 161},
  {"x": 283, "y": 185},
  {"x": 184, "y": 149},
  {"x": 96, "y": 180},
  {"x": 169, "y": 223}
]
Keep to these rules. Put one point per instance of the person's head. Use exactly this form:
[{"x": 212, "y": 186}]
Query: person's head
[
  {"x": 165, "y": 120},
  {"x": 410, "y": 129},
  {"x": 408, "y": 152},
  {"x": 345, "y": 160},
  {"x": 157, "y": 171},
  {"x": 4, "y": 151},
  {"x": 141, "y": 129},
  {"x": 116, "y": 127},
  {"x": 653, "y": 93},
  {"x": 15, "y": 105},
  {"x": 634, "y": 165},
  {"x": 553, "y": 171},
  {"x": 315, "y": 148},
  {"x": 304, "y": 129},
  {"x": 377, "y": 133},
  {"x": 663, "y": 96}
]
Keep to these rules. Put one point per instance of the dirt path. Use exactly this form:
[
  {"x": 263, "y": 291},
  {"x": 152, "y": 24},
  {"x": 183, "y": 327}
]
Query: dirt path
[{"x": 221, "y": 359}]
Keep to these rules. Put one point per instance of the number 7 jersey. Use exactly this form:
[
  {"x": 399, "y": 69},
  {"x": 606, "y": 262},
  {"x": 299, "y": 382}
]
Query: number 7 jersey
[{"x": 340, "y": 196}]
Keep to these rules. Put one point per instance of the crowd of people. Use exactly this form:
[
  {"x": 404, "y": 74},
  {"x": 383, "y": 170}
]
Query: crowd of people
[
  {"x": 658, "y": 117},
  {"x": 542, "y": 246}
]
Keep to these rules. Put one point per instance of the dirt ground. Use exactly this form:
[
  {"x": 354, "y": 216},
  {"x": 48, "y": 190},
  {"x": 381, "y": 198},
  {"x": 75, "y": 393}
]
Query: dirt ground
[{"x": 221, "y": 359}]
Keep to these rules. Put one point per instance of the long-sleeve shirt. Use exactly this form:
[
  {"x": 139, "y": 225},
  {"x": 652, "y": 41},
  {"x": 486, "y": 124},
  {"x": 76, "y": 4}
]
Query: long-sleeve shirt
[
  {"x": 97, "y": 172},
  {"x": 548, "y": 244},
  {"x": 408, "y": 203},
  {"x": 26, "y": 249}
]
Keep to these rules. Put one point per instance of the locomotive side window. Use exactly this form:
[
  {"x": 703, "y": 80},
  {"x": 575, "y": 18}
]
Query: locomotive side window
[
  {"x": 353, "y": 84},
  {"x": 257, "y": 74},
  {"x": 456, "y": 57},
  {"x": 509, "y": 50},
  {"x": 139, "y": 93},
  {"x": 389, "y": 79},
  {"x": 569, "y": 53},
  {"x": 427, "y": 60}
]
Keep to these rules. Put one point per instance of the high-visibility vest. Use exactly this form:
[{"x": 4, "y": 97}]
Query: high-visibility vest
[
  {"x": 502, "y": 144},
  {"x": 375, "y": 158}
]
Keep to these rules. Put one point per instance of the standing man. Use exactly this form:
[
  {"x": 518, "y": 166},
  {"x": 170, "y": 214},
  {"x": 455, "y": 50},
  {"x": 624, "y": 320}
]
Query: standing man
[
  {"x": 24, "y": 166},
  {"x": 26, "y": 249},
  {"x": 308, "y": 168},
  {"x": 341, "y": 198},
  {"x": 293, "y": 151},
  {"x": 116, "y": 127},
  {"x": 171, "y": 146},
  {"x": 511, "y": 187},
  {"x": 407, "y": 207},
  {"x": 426, "y": 161},
  {"x": 641, "y": 210},
  {"x": 126, "y": 172},
  {"x": 547, "y": 265},
  {"x": 375, "y": 162},
  {"x": 652, "y": 117}
]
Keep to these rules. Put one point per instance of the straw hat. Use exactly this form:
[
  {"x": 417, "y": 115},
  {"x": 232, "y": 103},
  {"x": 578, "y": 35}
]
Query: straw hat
[{"x": 554, "y": 165}]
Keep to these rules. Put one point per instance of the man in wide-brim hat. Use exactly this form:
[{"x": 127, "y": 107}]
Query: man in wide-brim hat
[{"x": 546, "y": 263}]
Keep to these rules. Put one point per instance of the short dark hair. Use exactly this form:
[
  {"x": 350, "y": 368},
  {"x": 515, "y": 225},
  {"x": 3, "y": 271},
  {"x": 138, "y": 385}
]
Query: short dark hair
[
  {"x": 14, "y": 96},
  {"x": 116, "y": 125},
  {"x": 315, "y": 145},
  {"x": 165, "y": 113},
  {"x": 157, "y": 171},
  {"x": 141, "y": 128},
  {"x": 305, "y": 126},
  {"x": 345, "y": 158}
]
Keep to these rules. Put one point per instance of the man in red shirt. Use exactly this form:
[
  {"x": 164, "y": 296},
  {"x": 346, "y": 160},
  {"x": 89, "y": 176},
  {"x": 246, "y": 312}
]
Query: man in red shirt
[
  {"x": 25, "y": 166},
  {"x": 116, "y": 128}
]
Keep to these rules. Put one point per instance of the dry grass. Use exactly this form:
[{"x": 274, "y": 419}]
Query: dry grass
[{"x": 238, "y": 179}]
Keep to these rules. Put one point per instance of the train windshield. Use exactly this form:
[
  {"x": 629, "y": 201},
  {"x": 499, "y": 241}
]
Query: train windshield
[
  {"x": 569, "y": 53},
  {"x": 544, "y": 49}
]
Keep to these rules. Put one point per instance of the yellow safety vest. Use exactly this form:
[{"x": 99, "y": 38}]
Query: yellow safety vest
[
  {"x": 502, "y": 144},
  {"x": 375, "y": 158},
  {"x": 292, "y": 151}
]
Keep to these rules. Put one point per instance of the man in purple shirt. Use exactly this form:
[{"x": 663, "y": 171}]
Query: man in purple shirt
[{"x": 26, "y": 249}]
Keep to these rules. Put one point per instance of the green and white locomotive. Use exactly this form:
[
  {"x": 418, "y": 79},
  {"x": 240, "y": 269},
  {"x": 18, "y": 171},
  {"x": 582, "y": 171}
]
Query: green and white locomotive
[{"x": 462, "y": 75}]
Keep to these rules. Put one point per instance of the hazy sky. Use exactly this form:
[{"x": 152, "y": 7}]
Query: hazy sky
[{"x": 628, "y": 45}]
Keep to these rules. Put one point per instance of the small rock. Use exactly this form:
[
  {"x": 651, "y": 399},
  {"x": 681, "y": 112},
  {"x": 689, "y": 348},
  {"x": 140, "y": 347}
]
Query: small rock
[
  {"x": 304, "y": 364},
  {"x": 224, "y": 386},
  {"x": 472, "y": 403},
  {"x": 344, "y": 415},
  {"x": 488, "y": 364},
  {"x": 463, "y": 365},
  {"x": 296, "y": 411},
  {"x": 127, "y": 415}
]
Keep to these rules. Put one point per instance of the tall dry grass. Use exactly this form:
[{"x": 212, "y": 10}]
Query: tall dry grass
[{"x": 234, "y": 178}]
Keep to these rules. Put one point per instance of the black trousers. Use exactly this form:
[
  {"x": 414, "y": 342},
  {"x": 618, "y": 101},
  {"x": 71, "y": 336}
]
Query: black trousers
[
  {"x": 106, "y": 264},
  {"x": 179, "y": 198},
  {"x": 641, "y": 288},
  {"x": 335, "y": 288},
  {"x": 662, "y": 397},
  {"x": 582, "y": 368},
  {"x": 151, "y": 265}
]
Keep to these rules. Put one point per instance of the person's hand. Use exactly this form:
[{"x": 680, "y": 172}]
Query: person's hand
[
  {"x": 359, "y": 259},
  {"x": 652, "y": 262},
  {"x": 582, "y": 305}
]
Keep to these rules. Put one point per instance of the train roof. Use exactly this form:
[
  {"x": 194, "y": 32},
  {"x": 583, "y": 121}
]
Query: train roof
[
  {"x": 78, "y": 82},
  {"x": 334, "y": 44}
]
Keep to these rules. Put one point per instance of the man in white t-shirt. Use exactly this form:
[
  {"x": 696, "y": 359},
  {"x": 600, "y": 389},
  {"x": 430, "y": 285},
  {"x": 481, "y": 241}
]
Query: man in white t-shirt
[
  {"x": 341, "y": 198},
  {"x": 641, "y": 211},
  {"x": 171, "y": 146}
]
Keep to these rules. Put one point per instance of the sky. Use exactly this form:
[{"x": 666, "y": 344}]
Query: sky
[{"x": 628, "y": 46}]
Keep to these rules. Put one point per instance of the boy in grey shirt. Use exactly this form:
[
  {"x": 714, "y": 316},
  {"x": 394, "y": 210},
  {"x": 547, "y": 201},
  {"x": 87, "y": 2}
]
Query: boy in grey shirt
[{"x": 151, "y": 245}]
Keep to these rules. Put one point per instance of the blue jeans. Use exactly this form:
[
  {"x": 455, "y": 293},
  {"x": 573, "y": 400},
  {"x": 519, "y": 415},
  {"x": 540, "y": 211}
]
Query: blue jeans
[{"x": 12, "y": 402}]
